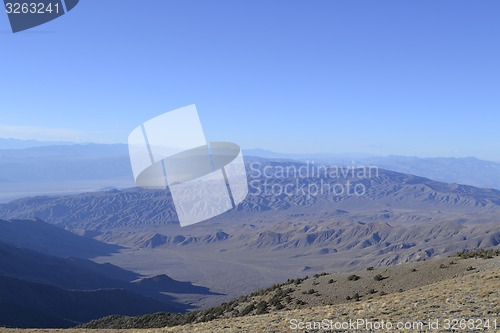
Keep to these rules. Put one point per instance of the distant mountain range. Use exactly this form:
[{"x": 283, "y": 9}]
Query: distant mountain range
[
  {"x": 387, "y": 197},
  {"x": 63, "y": 169},
  {"x": 9, "y": 143},
  {"x": 463, "y": 170},
  {"x": 41, "y": 169}
]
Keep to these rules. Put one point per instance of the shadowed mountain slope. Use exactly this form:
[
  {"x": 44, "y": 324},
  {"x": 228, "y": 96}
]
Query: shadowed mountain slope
[
  {"x": 50, "y": 291},
  {"x": 42, "y": 305},
  {"x": 43, "y": 237}
]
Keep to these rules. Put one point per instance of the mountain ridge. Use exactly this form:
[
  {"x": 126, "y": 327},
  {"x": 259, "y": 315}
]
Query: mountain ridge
[
  {"x": 386, "y": 191},
  {"x": 77, "y": 168}
]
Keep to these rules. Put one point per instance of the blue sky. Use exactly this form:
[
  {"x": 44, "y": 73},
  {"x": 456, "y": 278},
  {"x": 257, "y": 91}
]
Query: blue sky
[{"x": 381, "y": 77}]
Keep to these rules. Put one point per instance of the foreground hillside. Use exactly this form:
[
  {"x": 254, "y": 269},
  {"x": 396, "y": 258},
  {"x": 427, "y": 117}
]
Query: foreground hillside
[
  {"x": 322, "y": 289},
  {"x": 472, "y": 295}
]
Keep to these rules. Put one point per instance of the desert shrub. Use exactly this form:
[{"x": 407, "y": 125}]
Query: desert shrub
[
  {"x": 320, "y": 274},
  {"x": 479, "y": 253},
  {"x": 331, "y": 281},
  {"x": 300, "y": 302},
  {"x": 249, "y": 308},
  {"x": 370, "y": 268},
  {"x": 353, "y": 277},
  {"x": 279, "y": 295},
  {"x": 300, "y": 280},
  {"x": 279, "y": 306},
  {"x": 261, "y": 307},
  {"x": 378, "y": 277},
  {"x": 372, "y": 291}
]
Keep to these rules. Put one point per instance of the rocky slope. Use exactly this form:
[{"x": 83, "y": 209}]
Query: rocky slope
[{"x": 328, "y": 289}]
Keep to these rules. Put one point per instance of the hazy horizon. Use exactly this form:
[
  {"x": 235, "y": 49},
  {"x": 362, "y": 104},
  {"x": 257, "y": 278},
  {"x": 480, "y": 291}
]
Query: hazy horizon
[
  {"x": 34, "y": 143},
  {"x": 385, "y": 78}
]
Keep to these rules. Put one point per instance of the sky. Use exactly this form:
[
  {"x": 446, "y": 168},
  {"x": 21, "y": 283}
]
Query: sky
[{"x": 415, "y": 78}]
